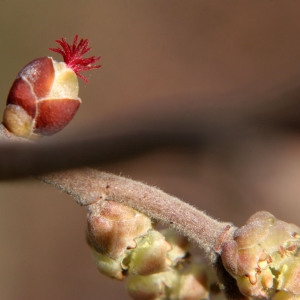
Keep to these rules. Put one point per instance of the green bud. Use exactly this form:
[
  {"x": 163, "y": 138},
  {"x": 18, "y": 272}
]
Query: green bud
[
  {"x": 192, "y": 284},
  {"x": 179, "y": 245},
  {"x": 108, "y": 266},
  {"x": 281, "y": 295},
  {"x": 289, "y": 277},
  {"x": 152, "y": 287},
  {"x": 150, "y": 255},
  {"x": 264, "y": 257}
]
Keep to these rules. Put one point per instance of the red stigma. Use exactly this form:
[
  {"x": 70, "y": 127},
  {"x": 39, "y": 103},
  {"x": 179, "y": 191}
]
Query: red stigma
[{"x": 72, "y": 55}]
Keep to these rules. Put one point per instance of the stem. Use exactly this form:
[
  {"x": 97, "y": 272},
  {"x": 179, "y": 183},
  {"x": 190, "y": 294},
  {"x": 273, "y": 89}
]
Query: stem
[
  {"x": 43, "y": 156},
  {"x": 89, "y": 186}
]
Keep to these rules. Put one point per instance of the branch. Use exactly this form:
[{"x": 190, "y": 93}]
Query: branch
[
  {"x": 43, "y": 156},
  {"x": 89, "y": 186},
  {"x": 134, "y": 134}
]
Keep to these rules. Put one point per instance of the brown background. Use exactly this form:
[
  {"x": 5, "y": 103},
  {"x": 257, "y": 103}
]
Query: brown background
[{"x": 229, "y": 61}]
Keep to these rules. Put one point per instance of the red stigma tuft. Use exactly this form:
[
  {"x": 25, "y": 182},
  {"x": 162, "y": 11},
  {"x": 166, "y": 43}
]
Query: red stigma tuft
[{"x": 72, "y": 55}]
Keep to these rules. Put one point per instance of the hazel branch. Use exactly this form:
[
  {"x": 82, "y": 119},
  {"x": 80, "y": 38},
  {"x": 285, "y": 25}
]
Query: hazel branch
[
  {"x": 57, "y": 154},
  {"x": 89, "y": 186}
]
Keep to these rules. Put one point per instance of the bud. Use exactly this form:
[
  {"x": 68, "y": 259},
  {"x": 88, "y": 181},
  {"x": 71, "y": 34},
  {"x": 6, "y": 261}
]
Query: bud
[
  {"x": 113, "y": 268},
  {"x": 155, "y": 286},
  {"x": 193, "y": 283},
  {"x": 113, "y": 228},
  {"x": 189, "y": 283},
  {"x": 112, "y": 232},
  {"x": 150, "y": 255},
  {"x": 289, "y": 279},
  {"x": 179, "y": 245},
  {"x": 44, "y": 97},
  {"x": 264, "y": 258}
]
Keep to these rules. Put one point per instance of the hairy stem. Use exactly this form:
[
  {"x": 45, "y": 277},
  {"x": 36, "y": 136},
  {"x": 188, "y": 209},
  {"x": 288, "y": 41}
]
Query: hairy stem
[{"x": 89, "y": 186}]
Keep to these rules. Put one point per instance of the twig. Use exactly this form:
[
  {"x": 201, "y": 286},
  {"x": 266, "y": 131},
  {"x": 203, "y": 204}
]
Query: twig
[
  {"x": 46, "y": 156},
  {"x": 88, "y": 186}
]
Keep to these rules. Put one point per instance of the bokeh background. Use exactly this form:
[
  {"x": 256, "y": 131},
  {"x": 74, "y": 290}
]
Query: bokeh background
[{"x": 235, "y": 63}]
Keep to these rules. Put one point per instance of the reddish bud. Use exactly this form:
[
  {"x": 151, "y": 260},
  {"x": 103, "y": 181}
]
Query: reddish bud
[{"x": 44, "y": 97}]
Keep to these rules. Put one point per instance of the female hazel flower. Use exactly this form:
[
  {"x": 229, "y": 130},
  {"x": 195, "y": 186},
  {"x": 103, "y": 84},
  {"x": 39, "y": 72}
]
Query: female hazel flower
[{"x": 44, "y": 97}]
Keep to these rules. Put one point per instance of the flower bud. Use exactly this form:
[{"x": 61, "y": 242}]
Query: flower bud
[
  {"x": 289, "y": 279},
  {"x": 151, "y": 287},
  {"x": 264, "y": 257},
  {"x": 193, "y": 283},
  {"x": 113, "y": 228},
  {"x": 44, "y": 97},
  {"x": 113, "y": 268},
  {"x": 179, "y": 245},
  {"x": 150, "y": 255},
  {"x": 42, "y": 100}
]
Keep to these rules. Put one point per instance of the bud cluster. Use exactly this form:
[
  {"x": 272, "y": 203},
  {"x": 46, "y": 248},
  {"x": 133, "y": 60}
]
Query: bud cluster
[
  {"x": 264, "y": 258},
  {"x": 156, "y": 264}
]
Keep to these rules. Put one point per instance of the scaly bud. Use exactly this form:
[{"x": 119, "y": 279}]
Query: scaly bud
[
  {"x": 264, "y": 257},
  {"x": 193, "y": 283},
  {"x": 152, "y": 287},
  {"x": 189, "y": 283},
  {"x": 113, "y": 228},
  {"x": 179, "y": 245},
  {"x": 44, "y": 97},
  {"x": 113, "y": 268},
  {"x": 150, "y": 255}
]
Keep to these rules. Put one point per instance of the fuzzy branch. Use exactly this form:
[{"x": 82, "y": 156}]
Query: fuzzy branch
[{"x": 88, "y": 186}]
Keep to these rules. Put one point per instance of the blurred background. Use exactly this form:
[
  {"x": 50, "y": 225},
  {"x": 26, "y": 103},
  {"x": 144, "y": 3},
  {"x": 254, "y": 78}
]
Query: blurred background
[{"x": 235, "y": 65}]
